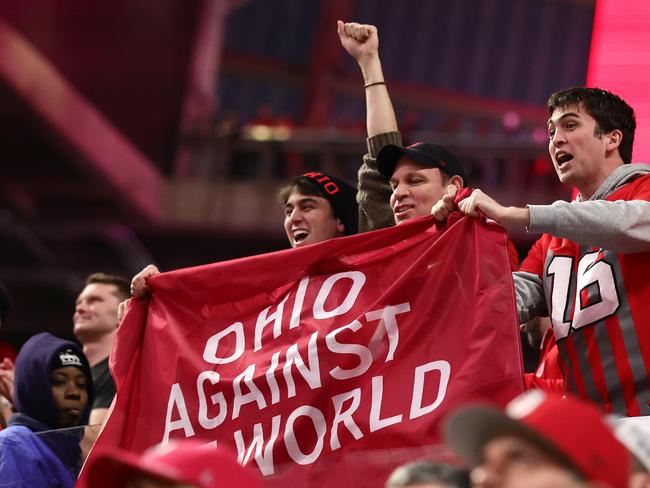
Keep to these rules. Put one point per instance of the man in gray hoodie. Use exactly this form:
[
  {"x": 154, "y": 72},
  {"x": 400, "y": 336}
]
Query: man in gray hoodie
[{"x": 590, "y": 269}]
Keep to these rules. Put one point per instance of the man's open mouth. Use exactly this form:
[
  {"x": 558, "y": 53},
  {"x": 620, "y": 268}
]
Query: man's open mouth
[
  {"x": 401, "y": 208},
  {"x": 300, "y": 235},
  {"x": 562, "y": 158}
]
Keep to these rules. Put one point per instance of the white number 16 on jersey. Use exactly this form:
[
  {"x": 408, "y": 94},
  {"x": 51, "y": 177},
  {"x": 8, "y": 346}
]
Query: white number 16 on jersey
[{"x": 596, "y": 295}]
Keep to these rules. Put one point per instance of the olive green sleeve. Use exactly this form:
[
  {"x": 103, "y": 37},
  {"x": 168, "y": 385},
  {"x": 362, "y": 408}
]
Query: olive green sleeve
[{"x": 374, "y": 189}]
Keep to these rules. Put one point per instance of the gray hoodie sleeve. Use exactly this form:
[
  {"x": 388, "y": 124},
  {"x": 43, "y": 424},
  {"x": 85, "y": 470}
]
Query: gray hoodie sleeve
[
  {"x": 620, "y": 226},
  {"x": 530, "y": 296}
]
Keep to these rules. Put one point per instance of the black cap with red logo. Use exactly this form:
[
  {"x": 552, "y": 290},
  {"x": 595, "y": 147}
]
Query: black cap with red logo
[
  {"x": 422, "y": 153},
  {"x": 340, "y": 194}
]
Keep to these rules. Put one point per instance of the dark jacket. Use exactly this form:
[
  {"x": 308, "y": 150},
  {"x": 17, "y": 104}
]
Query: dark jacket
[{"x": 32, "y": 451}]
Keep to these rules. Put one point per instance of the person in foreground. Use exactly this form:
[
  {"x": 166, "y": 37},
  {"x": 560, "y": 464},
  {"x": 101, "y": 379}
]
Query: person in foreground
[
  {"x": 181, "y": 464},
  {"x": 635, "y": 436},
  {"x": 427, "y": 474},
  {"x": 589, "y": 271},
  {"x": 541, "y": 439},
  {"x": 53, "y": 395}
]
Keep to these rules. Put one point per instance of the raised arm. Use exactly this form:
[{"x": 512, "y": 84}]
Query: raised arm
[{"x": 362, "y": 43}]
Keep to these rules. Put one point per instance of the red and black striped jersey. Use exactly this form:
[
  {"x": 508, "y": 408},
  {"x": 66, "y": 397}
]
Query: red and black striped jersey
[{"x": 599, "y": 304}]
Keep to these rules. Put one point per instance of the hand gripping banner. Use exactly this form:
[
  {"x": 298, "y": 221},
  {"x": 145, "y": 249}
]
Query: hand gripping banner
[{"x": 326, "y": 365}]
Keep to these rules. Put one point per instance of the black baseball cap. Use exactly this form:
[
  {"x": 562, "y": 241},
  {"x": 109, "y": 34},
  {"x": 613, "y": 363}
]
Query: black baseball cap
[
  {"x": 420, "y": 152},
  {"x": 341, "y": 195}
]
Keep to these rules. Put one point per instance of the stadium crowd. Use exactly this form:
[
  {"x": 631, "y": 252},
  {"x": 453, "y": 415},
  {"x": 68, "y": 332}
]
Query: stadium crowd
[{"x": 585, "y": 419}]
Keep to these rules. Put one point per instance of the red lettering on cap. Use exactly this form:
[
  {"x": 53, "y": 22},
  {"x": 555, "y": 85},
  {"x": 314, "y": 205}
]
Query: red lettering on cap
[
  {"x": 328, "y": 185},
  {"x": 331, "y": 187},
  {"x": 442, "y": 163},
  {"x": 320, "y": 177}
]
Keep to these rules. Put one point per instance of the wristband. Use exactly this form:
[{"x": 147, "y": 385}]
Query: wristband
[{"x": 367, "y": 85}]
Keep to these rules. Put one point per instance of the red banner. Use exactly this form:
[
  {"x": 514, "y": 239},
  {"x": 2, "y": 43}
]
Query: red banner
[{"x": 326, "y": 365}]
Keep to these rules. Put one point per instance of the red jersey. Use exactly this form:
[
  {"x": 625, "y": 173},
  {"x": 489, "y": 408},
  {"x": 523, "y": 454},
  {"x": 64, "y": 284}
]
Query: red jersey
[
  {"x": 549, "y": 375},
  {"x": 599, "y": 304}
]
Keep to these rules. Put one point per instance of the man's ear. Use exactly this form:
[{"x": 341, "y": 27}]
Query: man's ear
[
  {"x": 340, "y": 226},
  {"x": 457, "y": 181},
  {"x": 614, "y": 139}
]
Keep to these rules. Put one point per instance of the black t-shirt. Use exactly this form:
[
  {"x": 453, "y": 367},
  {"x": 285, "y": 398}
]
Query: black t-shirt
[{"x": 102, "y": 384}]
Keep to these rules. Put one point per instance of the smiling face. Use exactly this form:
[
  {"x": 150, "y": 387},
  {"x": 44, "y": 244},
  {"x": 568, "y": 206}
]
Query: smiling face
[
  {"x": 70, "y": 395},
  {"x": 581, "y": 155},
  {"x": 309, "y": 219},
  {"x": 416, "y": 188}
]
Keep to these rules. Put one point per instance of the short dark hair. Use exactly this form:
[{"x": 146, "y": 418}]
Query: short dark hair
[
  {"x": 421, "y": 472},
  {"x": 609, "y": 111},
  {"x": 301, "y": 185},
  {"x": 340, "y": 194},
  {"x": 122, "y": 284},
  {"x": 305, "y": 187}
]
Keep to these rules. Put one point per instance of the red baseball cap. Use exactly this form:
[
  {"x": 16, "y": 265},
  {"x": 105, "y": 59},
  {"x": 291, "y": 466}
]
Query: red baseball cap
[
  {"x": 568, "y": 429},
  {"x": 185, "y": 461}
]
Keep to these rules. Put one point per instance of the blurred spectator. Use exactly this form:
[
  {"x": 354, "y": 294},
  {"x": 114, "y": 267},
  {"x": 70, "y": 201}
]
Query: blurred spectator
[
  {"x": 6, "y": 411},
  {"x": 186, "y": 463},
  {"x": 53, "y": 390},
  {"x": 549, "y": 477},
  {"x": 7, "y": 374},
  {"x": 5, "y": 303},
  {"x": 425, "y": 474},
  {"x": 539, "y": 434},
  {"x": 635, "y": 436},
  {"x": 7, "y": 357},
  {"x": 95, "y": 325}
]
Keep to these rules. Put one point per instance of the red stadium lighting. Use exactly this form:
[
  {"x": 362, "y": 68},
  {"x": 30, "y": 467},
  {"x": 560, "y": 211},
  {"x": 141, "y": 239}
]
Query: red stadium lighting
[{"x": 620, "y": 60}]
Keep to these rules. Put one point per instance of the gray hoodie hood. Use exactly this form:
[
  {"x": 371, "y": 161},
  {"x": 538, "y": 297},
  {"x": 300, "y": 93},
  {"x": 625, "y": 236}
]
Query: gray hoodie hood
[{"x": 617, "y": 178}]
